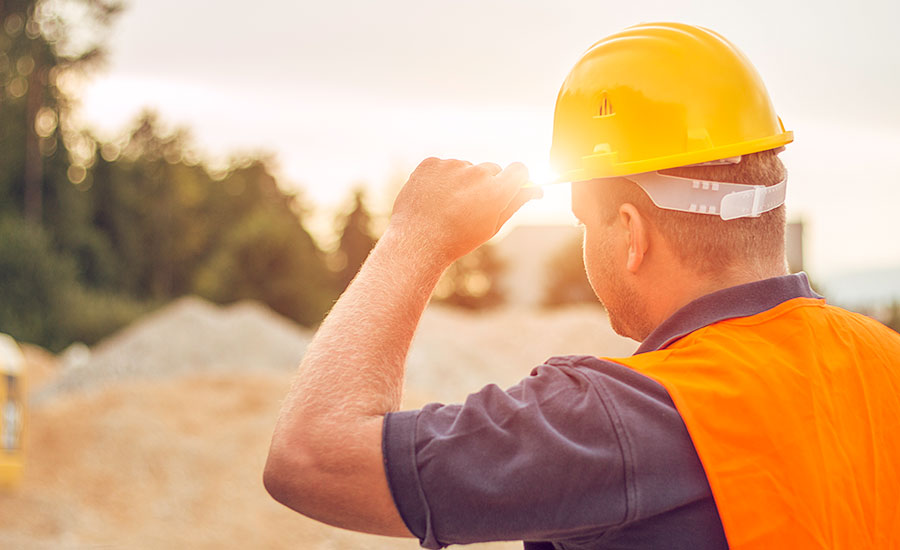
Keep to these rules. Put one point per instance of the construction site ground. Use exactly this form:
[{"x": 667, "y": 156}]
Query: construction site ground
[{"x": 157, "y": 437}]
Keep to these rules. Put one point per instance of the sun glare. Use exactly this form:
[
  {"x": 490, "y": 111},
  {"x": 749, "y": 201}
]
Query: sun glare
[{"x": 555, "y": 206}]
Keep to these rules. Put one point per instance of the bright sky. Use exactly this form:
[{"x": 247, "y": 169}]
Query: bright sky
[{"x": 351, "y": 92}]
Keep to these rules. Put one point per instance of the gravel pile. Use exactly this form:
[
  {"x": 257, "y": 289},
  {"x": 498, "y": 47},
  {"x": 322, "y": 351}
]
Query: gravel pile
[
  {"x": 456, "y": 352},
  {"x": 190, "y": 334}
]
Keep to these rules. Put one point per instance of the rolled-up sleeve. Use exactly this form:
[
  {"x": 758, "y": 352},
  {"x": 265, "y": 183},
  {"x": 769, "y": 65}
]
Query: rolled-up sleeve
[{"x": 545, "y": 458}]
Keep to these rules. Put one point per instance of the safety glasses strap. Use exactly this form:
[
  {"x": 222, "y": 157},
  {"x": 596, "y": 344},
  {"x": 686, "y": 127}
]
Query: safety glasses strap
[{"x": 726, "y": 200}]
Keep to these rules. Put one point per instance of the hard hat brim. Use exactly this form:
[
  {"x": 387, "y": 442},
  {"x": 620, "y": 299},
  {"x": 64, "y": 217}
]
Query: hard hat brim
[{"x": 603, "y": 165}]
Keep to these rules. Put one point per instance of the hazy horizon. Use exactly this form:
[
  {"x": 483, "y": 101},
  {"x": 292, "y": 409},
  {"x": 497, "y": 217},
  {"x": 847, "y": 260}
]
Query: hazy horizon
[{"x": 346, "y": 93}]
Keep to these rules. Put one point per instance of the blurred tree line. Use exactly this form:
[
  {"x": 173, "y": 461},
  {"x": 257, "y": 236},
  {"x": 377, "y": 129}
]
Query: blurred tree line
[{"x": 94, "y": 234}]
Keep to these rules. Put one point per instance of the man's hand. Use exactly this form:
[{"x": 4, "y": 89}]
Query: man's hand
[{"x": 452, "y": 206}]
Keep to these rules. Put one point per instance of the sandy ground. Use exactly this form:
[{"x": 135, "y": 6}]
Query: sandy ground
[{"x": 160, "y": 454}]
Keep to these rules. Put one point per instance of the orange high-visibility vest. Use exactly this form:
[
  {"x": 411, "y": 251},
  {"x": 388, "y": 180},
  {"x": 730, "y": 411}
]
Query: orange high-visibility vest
[{"x": 795, "y": 415}]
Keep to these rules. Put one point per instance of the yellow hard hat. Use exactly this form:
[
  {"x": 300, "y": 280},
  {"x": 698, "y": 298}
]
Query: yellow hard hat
[{"x": 657, "y": 96}]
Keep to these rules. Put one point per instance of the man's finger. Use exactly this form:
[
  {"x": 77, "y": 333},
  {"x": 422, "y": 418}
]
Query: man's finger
[
  {"x": 524, "y": 195},
  {"x": 513, "y": 178},
  {"x": 490, "y": 167}
]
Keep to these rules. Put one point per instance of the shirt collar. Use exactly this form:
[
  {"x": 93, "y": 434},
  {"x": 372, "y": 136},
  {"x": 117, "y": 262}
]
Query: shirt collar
[{"x": 738, "y": 301}]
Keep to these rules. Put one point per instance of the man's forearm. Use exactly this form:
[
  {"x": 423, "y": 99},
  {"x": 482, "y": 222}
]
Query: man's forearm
[
  {"x": 354, "y": 365},
  {"x": 350, "y": 377}
]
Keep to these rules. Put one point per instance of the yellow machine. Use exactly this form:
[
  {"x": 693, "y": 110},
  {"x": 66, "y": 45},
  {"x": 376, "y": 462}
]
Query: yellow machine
[{"x": 12, "y": 412}]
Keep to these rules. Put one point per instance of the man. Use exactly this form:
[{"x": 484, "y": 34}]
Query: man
[{"x": 752, "y": 416}]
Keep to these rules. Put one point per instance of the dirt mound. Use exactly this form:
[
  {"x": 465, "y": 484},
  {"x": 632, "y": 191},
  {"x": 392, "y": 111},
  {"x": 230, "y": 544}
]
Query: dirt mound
[
  {"x": 41, "y": 366},
  {"x": 158, "y": 439},
  {"x": 162, "y": 464},
  {"x": 456, "y": 352},
  {"x": 171, "y": 463},
  {"x": 189, "y": 335}
]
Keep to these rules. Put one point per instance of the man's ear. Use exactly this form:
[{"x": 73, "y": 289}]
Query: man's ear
[{"x": 635, "y": 224}]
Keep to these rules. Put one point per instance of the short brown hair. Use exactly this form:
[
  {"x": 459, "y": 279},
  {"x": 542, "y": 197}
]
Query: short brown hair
[{"x": 705, "y": 243}]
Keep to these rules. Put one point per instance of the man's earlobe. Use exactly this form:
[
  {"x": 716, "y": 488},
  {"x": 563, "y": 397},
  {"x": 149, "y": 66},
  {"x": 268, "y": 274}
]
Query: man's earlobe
[{"x": 638, "y": 236}]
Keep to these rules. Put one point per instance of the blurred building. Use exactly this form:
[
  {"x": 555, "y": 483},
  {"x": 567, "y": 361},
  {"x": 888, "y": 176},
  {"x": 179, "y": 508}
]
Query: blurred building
[
  {"x": 526, "y": 252},
  {"x": 873, "y": 291}
]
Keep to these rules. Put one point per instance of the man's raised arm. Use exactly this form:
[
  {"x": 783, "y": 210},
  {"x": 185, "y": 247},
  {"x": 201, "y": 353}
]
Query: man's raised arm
[{"x": 325, "y": 460}]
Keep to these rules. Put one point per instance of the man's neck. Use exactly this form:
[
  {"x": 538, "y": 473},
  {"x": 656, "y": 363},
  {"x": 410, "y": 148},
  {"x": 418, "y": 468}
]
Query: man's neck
[{"x": 682, "y": 286}]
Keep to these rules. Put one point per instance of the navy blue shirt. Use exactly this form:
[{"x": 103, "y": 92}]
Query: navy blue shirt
[{"x": 582, "y": 454}]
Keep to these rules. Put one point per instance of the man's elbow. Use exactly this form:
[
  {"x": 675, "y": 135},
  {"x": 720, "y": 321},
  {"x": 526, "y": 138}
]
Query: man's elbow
[
  {"x": 274, "y": 478},
  {"x": 284, "y": 475},
  {"x": 295, "y": 477}
]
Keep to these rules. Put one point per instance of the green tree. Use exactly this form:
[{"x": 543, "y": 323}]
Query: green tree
[
  {"x": 34, "y": 283},
  {"x": 43, "y": 44},
  {"x": 472, "y": 282},
  {"x": 39, "y": 49},
  {"x": 356, "y": 240},
  {"x": 96, "y": 233},
  {"x": 271, "y": 259},
  {"x": 175, "y": 229},
  {"x": 153, "y": 209}
]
